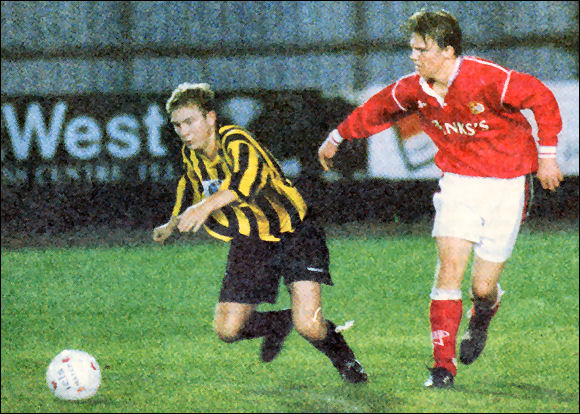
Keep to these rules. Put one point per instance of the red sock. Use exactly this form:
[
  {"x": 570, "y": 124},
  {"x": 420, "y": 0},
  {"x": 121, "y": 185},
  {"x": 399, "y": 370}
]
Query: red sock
[{"x": 445, "y": 316}]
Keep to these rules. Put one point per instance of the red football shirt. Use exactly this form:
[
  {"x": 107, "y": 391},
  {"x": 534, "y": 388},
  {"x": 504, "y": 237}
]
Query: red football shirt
[{"x": 478, "y": 127}]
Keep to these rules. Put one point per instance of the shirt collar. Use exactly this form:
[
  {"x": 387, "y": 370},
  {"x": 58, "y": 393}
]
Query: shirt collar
[
  {"x": 200, "y": 154},
  {"x": 429, "y": 91}
]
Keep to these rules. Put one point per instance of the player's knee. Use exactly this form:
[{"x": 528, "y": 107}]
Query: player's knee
[
  {"x": 226, "y": 332},
  {"x": 484, "y": 291},
  {"x": 314, "y": 330},
  {"x": 227, "y": 336}
]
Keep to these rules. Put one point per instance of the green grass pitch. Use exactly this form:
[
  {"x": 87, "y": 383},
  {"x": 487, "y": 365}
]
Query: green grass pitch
[{"x": 145, "y": 312}]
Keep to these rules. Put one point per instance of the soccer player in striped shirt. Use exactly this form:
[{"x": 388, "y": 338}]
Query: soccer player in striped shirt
[
  {"x": 470, "y": 107},
  {"x": 240, "y": 195}
]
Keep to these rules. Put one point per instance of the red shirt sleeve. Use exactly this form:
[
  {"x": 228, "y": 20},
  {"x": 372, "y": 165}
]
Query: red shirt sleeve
[
  {"x": 524, "y": 91},
  {"x": 380, "y": 112}
]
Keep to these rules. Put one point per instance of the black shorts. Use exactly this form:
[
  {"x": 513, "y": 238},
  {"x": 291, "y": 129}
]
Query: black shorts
[{"x": 255, "y": 267}]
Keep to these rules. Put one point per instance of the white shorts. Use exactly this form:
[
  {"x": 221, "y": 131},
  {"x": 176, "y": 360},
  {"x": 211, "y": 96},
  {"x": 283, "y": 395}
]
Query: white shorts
[{"x": 486, "y": 211}]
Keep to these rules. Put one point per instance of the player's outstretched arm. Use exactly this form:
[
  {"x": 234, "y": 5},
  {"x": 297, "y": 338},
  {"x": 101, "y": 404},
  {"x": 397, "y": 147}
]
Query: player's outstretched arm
[{"x": 161, "y": 233}]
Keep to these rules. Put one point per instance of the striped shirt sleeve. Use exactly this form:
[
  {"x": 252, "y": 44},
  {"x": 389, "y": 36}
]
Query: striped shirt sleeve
[
  {"x": 182, "y": 183},
  {"x": 186, "y": 187}
]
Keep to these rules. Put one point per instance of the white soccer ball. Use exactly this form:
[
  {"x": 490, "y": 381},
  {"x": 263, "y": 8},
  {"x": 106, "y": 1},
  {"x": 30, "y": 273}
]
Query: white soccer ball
[{"x": 73, "y": 375}]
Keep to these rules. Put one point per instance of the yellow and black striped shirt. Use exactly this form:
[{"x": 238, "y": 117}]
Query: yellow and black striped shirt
[{"x": 268, "y": 204}]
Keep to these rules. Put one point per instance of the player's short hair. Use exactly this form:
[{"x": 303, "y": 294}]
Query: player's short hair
[
  {"x": 198, "y": 94},
  {"x": 441, "y": 26}
]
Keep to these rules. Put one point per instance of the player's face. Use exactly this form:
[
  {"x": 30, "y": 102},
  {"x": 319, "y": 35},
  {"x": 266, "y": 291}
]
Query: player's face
[
  {"x": 426, "y": 55},
  {"x": 194, "y": 129}
]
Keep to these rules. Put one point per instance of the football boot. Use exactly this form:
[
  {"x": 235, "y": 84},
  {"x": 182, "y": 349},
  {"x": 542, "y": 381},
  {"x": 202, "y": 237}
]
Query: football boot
[
  {"x": 352, "y": 372},
  {"x": 439, "y": 378}
]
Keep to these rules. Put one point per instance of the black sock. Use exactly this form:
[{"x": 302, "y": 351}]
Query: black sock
[
  {"x": 334, "y": 346},
  {"x": 484, "y": 311},
  {"x": 264, "y": 323}
]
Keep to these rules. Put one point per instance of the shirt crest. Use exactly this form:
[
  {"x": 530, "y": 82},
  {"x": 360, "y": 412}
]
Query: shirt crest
[
  {"x": 476, "y": 107},
  {"x": 211, "y": 186}
]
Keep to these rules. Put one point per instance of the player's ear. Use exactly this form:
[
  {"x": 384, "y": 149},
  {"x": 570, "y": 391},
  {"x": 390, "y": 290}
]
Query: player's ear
[
  {"x": 211, "y": 116},
  {"x": 449, "y": 51}
]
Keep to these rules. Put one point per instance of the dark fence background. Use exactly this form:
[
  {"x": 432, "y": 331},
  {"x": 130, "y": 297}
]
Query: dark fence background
[
  {"x": 291, "y": 124},
  {"x": 110, "y": 161},
  {"x": 144, "y": 206}
]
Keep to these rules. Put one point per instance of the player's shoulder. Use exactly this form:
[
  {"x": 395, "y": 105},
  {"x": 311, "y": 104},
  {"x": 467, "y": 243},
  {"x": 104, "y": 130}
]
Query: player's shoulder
[
  {"x": 408, "y": 82},
  {"x": 231, "y": 133},
  {"x": 232, "y": 129},
  {"x": 483, "y": 66},
  {"x": 410, "y": 79}
]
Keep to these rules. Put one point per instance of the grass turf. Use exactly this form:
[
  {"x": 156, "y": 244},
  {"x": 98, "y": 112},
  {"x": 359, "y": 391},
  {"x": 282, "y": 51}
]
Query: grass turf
[{"x": 145, "y": 312}]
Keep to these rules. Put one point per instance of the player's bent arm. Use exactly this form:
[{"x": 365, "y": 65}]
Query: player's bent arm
[
  {"x": 328, "y": 149},
  {"x": 193, "y": 217}
]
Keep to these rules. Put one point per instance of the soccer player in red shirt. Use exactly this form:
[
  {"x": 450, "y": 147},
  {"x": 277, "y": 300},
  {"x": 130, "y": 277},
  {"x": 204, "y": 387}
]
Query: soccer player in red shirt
[{"x": 470, "y": 107}]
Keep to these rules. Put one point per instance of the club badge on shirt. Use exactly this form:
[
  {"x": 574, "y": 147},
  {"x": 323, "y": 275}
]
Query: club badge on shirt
[
  {"x": 211, "y": 186},
  {"x": 476, "y": 107}
]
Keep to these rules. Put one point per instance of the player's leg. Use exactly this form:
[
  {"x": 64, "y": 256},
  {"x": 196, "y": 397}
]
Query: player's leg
[
  {"x": 230, "y": 319},
  {"x": 249, "y": 281},
  {"x": 304, "y": 261},
  {"x": 237, "y": 321},
  {"x": 456, "y": 227},
  {"x": 485, "y": 280},
  {"x": 321, "y": 333},
  {"x": 486, "y": 296},
  {"x": 509, "y": 199},
  {"x": 307, "y": 310},
  {"x": 446, "y": 308}
]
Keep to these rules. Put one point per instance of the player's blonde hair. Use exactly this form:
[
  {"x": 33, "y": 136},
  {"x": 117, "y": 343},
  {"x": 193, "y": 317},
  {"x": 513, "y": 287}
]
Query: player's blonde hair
[{"x": 198, "y": 94}]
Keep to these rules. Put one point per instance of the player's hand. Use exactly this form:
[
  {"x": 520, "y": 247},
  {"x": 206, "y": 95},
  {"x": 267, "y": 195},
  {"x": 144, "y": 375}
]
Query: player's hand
[
  {"x": 161, "y": 233},
  {"x": 193, "y": 218},
  {"x": 325, "y": 153},
  {"x": 549, "y": 173}
]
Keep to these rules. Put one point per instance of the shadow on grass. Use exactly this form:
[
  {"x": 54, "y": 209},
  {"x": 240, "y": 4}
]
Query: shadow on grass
[{"x": 336, "y": 398}]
